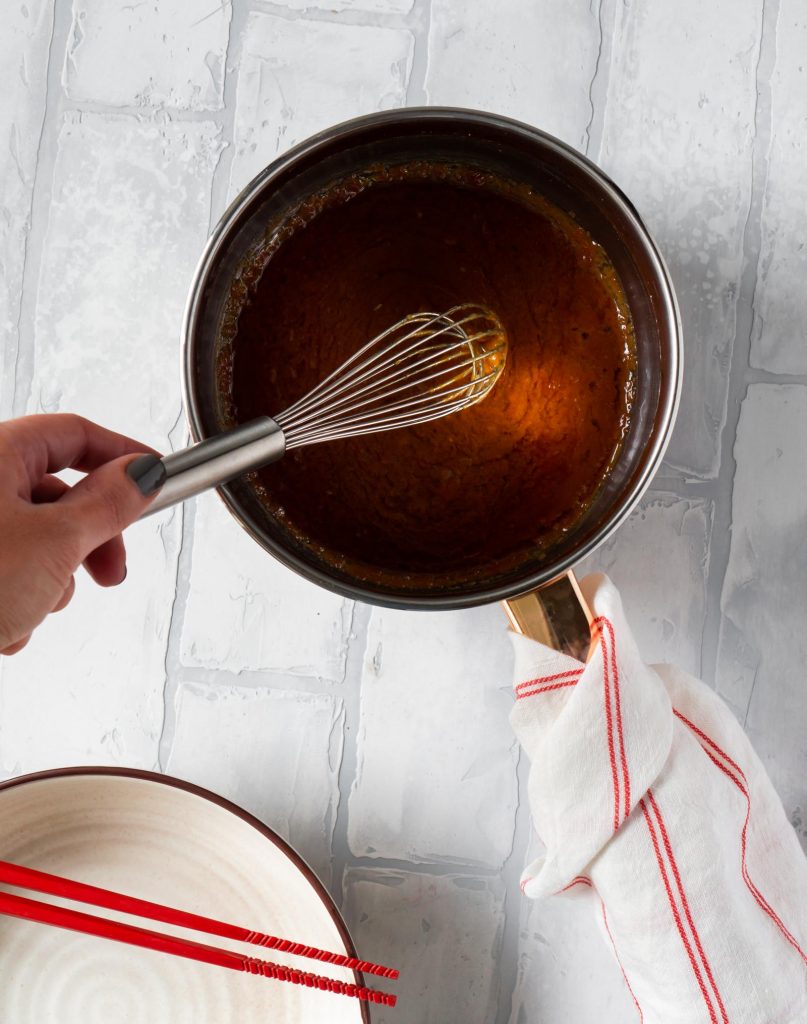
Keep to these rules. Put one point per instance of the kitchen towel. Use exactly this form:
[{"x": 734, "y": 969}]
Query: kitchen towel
[{"x": 653, "y": 807}]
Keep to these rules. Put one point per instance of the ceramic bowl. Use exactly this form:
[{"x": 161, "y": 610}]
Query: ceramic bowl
[{"x": 164, "y": 840}]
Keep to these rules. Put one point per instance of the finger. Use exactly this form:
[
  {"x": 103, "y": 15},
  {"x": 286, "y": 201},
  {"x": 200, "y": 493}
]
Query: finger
[
  {"x": 17, "y": 646},
  {"x": 107, "y": 564},
  {"x": 49, "y": 488},
  {"x": 36, "y": 445},
  {"x": 107, "y": 500},
  {"x": 64, "y": 600}
]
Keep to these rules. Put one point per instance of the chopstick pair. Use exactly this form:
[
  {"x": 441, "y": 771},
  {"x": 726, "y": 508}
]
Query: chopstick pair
[{"x": 62, "y": 917}]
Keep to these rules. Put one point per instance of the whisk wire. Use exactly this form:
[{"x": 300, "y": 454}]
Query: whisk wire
[
  {"x": 345, "y": 373},
  {"x": 346, "y": 377},
  {"x": 370, "y": 392},
  {"x": 377, "y": 385},
  {"x": 404, "y": 412},
  {"x": 422, "y": 368},
  {"x": 360, "y": 430}
]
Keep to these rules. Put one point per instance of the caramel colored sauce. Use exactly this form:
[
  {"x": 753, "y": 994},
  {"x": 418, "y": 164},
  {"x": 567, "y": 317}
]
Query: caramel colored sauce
[{"x": 493, "y": 484}]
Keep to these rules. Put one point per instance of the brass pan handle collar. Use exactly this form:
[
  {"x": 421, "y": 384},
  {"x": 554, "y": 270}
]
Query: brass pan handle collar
[{"x": 556, "y": 615}]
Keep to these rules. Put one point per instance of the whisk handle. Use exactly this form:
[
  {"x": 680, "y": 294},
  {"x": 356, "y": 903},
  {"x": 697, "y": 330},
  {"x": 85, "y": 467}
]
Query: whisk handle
[{"x": 218, "y": 459}]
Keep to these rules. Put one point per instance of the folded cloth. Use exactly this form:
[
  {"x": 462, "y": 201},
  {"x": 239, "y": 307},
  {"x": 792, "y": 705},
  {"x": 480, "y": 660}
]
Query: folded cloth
[{"x": 653, "y": 806}]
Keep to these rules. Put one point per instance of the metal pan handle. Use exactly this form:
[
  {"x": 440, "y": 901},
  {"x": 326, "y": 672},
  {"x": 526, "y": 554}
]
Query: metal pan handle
[{"x": 556, "y": 615}]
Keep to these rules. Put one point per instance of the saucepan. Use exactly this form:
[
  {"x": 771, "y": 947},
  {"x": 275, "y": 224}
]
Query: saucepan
[{"x": 540, "y": 594}]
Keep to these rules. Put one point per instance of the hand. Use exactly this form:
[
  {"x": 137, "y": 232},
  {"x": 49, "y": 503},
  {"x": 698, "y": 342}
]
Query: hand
[{"x": 48, "y": 529}]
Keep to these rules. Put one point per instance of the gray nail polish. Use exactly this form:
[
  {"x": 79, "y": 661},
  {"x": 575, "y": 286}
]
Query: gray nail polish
[{"x": 148, "y": 473}]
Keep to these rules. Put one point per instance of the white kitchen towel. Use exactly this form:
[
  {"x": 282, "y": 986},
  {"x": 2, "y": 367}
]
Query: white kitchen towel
[{"x": 653, "y": 806}]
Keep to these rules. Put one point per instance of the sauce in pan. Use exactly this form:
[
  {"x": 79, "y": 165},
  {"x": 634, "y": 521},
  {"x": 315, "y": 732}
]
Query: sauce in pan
[{"x": 495, "y": 483}]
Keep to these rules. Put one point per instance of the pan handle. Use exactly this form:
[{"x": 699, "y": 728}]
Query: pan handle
[{"x": 556, "y": 615}]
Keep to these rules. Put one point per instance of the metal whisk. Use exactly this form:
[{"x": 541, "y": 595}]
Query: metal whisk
[{"x": 426, "y": 366}]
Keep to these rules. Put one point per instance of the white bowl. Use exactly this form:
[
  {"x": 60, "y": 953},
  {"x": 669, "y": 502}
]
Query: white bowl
[{"x": 163, "y": 840}]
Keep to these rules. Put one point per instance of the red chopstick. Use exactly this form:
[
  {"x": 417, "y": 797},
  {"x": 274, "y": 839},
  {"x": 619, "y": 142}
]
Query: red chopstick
[
  {"x": 62, "y": 917},
  {"x": 54, "y": 885}
]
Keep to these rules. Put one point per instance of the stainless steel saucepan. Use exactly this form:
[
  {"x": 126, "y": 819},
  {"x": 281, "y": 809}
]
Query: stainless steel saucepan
[{"x": 539, "y": 594}]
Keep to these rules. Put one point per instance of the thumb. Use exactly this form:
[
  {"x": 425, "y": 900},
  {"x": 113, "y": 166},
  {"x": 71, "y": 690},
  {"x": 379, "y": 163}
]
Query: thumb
[{"x": 112, "y": 497}]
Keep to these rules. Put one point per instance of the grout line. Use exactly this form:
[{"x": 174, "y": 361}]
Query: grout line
[
  {"x": 218, "y": 192},
  {"x": 11, "y": 355},
  {"x": 221, "y": 7},
  {"x": 337, "y": 739},
  {"x": 258, "y": 679},
  {"x": 434, "y": 869},
  {"x": 757, "y": 376},
  {"x": 600, "y": 80},
  {"x": 683, "y": 487},
  {"x": 25, "y": 353},
  {"x": 147, "y": 112},
  {"x": 417, "y": 22},
  {"x": 359, "y": 18},
  {"x": 349, "y": 765},
  {"x": 232, "y": 64},
  {"x": 172, "y": 662},
  {"x": 420, "y": 22},
  {"x": 513, "y": 898},
  {"x": 739, "y": 374}
]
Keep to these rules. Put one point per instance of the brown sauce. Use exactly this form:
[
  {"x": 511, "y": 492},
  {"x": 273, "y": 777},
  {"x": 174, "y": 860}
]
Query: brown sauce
[{"x": 494, "y": 484}]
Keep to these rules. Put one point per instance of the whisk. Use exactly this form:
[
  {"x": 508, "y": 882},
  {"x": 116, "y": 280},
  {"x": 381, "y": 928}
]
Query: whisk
[{"x": 426, "y": 366}]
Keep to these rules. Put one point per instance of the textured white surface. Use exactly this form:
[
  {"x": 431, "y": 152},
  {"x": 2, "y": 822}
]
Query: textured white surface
[
  {"x": 781, "y": 298},
  {"x": 24, "y": 45},
  {"x": 91, "y": 691},
  {"x": 287, "y": 91},
  {"x": 504, "y": 57},
  {"x": 124, "y": 128},
  {"x": 444, "y": 934},
  {"x": 244, "y": 728},
  {"x": 434, "y": 728},
  {"x": 762, "y": 638},
  {"x": 246, "y": 611},
  {"x": 361, "y": 7},
  {"x": 128, "y": 214},
  {"x": 141, "y": 54},
  {"x": 659, "y": 559},
  {"x": 677, "y": 137}
]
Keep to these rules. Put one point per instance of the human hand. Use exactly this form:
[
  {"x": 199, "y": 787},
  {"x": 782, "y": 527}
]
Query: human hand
[{"x": 48, "y": 528}]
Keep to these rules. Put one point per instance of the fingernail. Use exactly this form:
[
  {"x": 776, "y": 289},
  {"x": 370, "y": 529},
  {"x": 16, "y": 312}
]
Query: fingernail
[
  {"x": 148, "y": 473},
  {"x": 125, "y": 574}
]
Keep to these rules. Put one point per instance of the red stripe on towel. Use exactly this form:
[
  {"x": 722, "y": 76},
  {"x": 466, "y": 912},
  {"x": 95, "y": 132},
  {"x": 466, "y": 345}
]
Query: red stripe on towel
[
  {"x": 624, "y": 975},
  {"x": 609, "y": 724},
  {"x": 520, "y": 695},
  {"x": 741, "y": 782},
  {"x": 685, "y": 904},
  {"x": 618, "y": 715},
  {"x": 575, "y": 672},
  {"x": 676, "y": 914},
  {"x": 580, "y": 880}
]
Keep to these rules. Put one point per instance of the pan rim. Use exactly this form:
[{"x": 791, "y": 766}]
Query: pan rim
[{"x": 468, "y": 596}]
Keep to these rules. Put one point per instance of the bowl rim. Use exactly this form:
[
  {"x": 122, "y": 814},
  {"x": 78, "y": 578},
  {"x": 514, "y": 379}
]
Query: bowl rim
[
  {"x": 88, "y": 771},
  {"x": 669, "y": 399}
]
